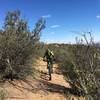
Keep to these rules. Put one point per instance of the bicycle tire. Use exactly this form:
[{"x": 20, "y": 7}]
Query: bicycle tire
[{"x": 49, "y": 71}]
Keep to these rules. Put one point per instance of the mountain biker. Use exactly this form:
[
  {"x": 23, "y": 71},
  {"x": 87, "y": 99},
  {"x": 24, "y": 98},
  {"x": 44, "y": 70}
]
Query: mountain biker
[{"x": 49, "y": 58}]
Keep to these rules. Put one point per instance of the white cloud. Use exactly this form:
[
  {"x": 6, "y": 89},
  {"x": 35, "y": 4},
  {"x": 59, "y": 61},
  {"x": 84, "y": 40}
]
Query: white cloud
[
  {"x": 46, "y": 16},
  {"x": 55, "y": 26},
  {"x": 98, "y": 16}
]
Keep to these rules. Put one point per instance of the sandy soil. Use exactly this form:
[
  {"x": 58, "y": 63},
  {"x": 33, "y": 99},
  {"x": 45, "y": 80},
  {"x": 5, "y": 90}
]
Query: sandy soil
[{"x": 39, "y": 89}]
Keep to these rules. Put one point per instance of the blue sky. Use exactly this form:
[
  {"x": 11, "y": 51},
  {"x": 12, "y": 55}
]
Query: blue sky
[{"x": 63, "y": 17}]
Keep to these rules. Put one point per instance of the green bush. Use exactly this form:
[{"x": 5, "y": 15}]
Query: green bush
[{"x": 18, "y": 46}]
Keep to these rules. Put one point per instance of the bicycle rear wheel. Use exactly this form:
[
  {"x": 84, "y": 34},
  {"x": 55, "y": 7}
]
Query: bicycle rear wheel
[{"x": 49, "y": 71}]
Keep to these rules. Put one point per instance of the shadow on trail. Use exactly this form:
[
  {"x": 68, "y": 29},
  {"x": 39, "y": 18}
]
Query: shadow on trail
[
  {"x": 56, "y": 88},
  {"x": 51, "y": 87},
  {"x": 25, "y": 85},
  {"x": 45, "y": 86}
]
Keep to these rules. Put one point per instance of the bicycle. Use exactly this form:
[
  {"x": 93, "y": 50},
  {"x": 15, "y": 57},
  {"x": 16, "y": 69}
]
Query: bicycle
[{"x": 50, "y": 69}]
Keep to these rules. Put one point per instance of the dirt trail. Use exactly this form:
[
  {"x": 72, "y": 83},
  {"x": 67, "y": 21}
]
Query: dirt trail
[{"x": 40, "y": 89}]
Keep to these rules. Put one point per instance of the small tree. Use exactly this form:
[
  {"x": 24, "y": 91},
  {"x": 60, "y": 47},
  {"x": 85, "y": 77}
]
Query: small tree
[{"x": 18, "y": 46}]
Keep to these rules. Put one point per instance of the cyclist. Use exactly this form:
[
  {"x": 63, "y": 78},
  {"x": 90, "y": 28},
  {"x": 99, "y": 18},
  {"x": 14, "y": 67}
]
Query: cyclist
[{"x": 49, "y": 56}]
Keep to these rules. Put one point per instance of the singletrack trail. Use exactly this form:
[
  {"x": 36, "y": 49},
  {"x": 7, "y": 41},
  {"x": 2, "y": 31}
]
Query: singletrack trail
[{"x": 40, "y": 88}]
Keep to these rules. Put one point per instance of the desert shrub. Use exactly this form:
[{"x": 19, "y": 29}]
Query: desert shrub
[
  {"x": 85, "y": 58},
  {"x": 80, "y": 64},
  {"x": 18, "y": 46}
]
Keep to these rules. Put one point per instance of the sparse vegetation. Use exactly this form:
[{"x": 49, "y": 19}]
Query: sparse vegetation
[
  {"x": 79, "y": 63},
  {"x": 86, "y": 61}
]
